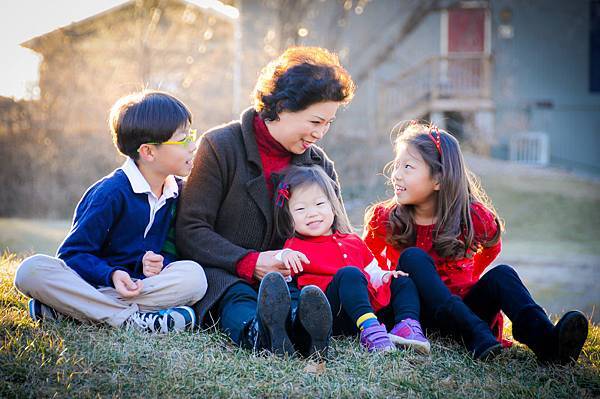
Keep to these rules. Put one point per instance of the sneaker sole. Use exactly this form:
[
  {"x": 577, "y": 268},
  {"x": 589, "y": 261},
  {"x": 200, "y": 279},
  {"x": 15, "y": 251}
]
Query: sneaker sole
[
  {"x": 274, "y": 295},
  {"x": 383, "y": 349},
  {"x": 572, "y": 333},
  {"x": 315, "y": 316},
  {"x": 421, "y": 347}
]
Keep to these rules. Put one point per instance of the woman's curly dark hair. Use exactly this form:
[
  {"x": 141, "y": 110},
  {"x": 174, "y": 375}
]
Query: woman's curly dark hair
[{"x": 299, "y": 78}]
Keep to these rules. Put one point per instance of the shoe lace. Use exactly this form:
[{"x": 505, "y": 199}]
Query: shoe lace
[{"x": 147, "y": 321}]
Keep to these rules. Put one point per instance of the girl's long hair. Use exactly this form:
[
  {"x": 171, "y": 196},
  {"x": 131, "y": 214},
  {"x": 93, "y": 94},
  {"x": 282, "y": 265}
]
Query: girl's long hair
[
  {"x": 453, "y": 234},
  {"x": 302, "y": 176}
]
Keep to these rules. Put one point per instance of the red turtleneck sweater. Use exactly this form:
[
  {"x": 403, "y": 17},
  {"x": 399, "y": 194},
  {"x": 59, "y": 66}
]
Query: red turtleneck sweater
[{"x": 274, "y": 158}]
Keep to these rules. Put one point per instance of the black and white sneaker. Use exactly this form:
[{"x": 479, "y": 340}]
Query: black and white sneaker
[
  {"x": 39, "y": 311},
  {"x": 179, "y": 318}
]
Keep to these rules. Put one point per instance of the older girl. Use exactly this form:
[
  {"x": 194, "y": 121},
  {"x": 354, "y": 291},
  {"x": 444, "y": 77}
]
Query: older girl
[{"x": 441, "y": 229}]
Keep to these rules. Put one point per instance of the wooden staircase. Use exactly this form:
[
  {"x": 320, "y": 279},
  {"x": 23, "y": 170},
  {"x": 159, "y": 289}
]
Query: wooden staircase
[{"x": 460, "y": 82}]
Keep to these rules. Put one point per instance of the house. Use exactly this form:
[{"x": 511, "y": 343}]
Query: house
[
  {"x": 186, "y": 48},
  {"x": 55, "y": 147},
  {"x": 509, "y": 78}
]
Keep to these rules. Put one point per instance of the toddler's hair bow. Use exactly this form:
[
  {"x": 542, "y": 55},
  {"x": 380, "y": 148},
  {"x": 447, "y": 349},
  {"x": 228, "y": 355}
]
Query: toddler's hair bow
[{"x": 283, "y": 193}]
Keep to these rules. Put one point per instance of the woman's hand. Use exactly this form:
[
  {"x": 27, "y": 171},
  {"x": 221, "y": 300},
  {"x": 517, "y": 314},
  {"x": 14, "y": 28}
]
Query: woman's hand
[
  {"x": 125, "y": 286},
  {"x": 393, "y": 273},
  {"x": 267, "y": 263},
  {"x": 294, "y": 259}
]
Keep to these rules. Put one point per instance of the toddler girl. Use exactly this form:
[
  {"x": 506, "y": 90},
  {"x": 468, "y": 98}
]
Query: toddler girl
[{"x": 322, "y": 250}]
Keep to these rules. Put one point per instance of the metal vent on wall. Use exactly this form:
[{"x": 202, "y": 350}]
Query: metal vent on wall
[{"x": 531, "y": 148}]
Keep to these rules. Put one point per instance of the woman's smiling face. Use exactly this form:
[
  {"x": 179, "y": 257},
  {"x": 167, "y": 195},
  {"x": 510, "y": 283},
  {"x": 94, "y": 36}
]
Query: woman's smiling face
[{"x": 297, "y": 131}]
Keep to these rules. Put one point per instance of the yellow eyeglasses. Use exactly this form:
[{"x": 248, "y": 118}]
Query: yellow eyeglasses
[{"x": 190, "y": 138}]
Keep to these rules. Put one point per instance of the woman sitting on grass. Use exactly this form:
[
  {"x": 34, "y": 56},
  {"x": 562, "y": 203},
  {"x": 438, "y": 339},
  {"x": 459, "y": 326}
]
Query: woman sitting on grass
[{"x": 226, "y": 220}]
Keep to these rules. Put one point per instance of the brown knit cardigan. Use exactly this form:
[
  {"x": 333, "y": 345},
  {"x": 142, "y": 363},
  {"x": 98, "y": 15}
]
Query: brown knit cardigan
[{"x": 224, "y": 210}]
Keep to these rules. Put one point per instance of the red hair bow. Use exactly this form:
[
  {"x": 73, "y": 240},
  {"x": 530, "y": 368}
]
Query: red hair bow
[{"x": 283, "y": 193}]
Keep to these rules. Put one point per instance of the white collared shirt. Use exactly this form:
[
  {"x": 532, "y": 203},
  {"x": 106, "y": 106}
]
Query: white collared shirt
[{"x": 140, "y": 185}]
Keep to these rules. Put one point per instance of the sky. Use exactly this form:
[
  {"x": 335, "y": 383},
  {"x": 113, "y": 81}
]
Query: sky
[{"x": 21, "y": 20}]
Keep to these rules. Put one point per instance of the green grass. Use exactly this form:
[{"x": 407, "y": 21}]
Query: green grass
[
  {"x": 68, "y": 359},
  {"x": 545, "y": 218},
  {"x": 32, "y": 235}
]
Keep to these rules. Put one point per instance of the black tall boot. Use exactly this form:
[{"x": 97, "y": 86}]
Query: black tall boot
[
  {"x": 272, "y": 313},
  {"x": 455, "y": 315},
  {"x": 560, "y": 344},
  {"x": 311, "y": 322},
  {"x": 572, "y": 331}
]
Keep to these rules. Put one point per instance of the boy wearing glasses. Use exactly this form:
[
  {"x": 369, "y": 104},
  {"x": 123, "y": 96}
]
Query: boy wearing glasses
[{"x": 117, "y": 264}]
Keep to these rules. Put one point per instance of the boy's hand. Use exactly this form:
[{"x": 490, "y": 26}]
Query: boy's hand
[
  {"x": 293, "y": 260},
  {"x": 152, "y": 264},
  {"x": 393, "y": 273},
  {"x": 125, "y": 286}
]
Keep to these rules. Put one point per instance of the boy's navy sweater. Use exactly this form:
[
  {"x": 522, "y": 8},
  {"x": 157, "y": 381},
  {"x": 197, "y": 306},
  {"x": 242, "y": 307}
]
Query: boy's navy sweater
[{"x": 108, "y": 231}]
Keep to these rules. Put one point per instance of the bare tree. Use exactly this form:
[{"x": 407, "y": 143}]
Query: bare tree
[{"x": 61, "y": 144}]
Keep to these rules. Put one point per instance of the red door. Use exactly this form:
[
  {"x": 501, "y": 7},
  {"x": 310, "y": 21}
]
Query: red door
[
  {"x": 466, "y": 30},
  {"x": 466, "y": 48}
]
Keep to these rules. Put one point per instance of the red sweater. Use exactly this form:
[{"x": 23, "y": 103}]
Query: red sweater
[
  {"x": 458, "y": 275},
  {"x": 274, "y": 158},
  {"x": 328, "y": 254}
]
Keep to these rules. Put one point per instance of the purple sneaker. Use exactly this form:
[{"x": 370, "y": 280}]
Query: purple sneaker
[
  {"x": 408, "y": 333},
  {"x": 375, "y": 339}
]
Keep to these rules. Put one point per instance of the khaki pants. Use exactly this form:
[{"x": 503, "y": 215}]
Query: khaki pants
[{"x": 53, "y": 283}]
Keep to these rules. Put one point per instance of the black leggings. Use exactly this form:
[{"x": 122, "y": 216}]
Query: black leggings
[
  {"x": 348, "y": 296},
  {"x": 500, "y": 289}
]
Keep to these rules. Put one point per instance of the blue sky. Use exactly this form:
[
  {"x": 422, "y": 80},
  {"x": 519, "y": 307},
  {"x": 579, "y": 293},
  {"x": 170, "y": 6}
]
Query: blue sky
[{"x": 23, "y": 19}]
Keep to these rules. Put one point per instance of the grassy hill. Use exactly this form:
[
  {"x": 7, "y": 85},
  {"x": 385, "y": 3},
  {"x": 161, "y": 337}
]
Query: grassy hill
[
  {"x": 69, "y": 359},
  {"x": 553, "y": 230}
]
